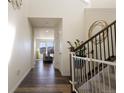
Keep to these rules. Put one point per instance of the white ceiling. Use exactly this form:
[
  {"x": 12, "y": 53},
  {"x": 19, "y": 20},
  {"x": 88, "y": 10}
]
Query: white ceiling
[{"x": 45, "y": 22}]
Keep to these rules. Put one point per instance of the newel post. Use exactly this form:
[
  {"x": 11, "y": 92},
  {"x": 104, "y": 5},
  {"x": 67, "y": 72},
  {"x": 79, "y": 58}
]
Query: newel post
[
  {"x": 70, "y": 55},
  {"x": 71, "y": 67}
]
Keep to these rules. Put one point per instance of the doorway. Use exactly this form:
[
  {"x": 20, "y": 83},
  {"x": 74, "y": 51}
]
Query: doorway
[
  {"x": 45, "y": 50},
  {"x": 49, "y": 29}
]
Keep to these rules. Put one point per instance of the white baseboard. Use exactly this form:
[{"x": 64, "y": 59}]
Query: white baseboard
[
  {"x": 12, "y": 91},
  {"x": 62, "y": 73},
  {"x": 65, "y": 73}
]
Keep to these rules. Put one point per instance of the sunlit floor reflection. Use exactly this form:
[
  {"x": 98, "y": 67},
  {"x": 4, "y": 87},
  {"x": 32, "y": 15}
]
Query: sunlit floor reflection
[
  {"x": 44, "y": 78},
  {"x": 45, "y": 69}
]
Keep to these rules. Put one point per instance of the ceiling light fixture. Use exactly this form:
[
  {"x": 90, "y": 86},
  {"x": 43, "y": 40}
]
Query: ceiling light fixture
[{"x": 15, "y": 3}]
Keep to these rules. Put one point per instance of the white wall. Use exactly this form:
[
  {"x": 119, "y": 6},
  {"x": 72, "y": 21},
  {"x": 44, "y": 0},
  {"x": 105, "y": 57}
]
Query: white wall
[
  {"x": 103, "y": 3},
  {"x": 40, "y": 33},
  {"x": 71, "y": 11},
  {"x": 56, "y": 49},
  {"x": 21, "y": 56},
  {"x": 61, "y": 45},
  {"x": 94, "y": 14},
  {"x": 57, "y": 45}
]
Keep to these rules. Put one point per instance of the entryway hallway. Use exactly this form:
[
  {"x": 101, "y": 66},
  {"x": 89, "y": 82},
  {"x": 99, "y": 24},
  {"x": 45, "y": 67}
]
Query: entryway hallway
[{"x": 44, "y": 79}]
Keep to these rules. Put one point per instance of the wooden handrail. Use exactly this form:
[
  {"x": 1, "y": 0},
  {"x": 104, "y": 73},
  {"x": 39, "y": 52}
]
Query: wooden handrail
[{"x": 79, "y": 47}]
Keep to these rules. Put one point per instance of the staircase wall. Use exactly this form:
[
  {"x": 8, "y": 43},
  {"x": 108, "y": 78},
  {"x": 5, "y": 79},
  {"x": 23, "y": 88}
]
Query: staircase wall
[
  {"x": 103, "y": 3},
  {"x": 93, "y": 14}
]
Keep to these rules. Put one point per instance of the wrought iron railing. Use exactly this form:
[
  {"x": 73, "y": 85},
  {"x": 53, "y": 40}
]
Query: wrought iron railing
[
  {"x": 102, "y": 47},
  {"x": 102, "y": 80}
]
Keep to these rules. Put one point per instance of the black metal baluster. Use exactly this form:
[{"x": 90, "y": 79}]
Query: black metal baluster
[
  {"x": 104, "y": 48},
  {"x": 89, "y": 75},
  {"x": 92, "y": 56},
  {"x": 115, "y": 32},
  {"x": 115, "y": 36},
  {"x": 100, "y": 46},
  {"x": 92, "y": 48},
  {"x": 86, "y": 71},
  {"x": 96, "y": 56},
  {"x": 100, "y": 65},
  {"x": 74, "y": 68},
  {"x": 80, "y": 70},
  {"x": 81, "y": 66},
  {"x": 108, "y": 43},
  {"x": 77, "y": 62},
  {"x": 96, "y": 48},
  {"x": 85, "y": 62},
  {"x": 70, "y": 67},
  {"x": 79, "y": 77},
  {"x": 112, "y": 41},
  {"x": 88, "y": 49}
]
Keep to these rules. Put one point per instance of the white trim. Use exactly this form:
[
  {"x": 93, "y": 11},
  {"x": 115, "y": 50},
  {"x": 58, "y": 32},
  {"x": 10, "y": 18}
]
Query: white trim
[
  {"x": 12, "y": 90},
  {"x": 72, "y": 66},
  {"x": 72, "y": 69},
  {"x": 95, "y": 60},
  {"x": 72, "y": 53},
  {"x": 52, "y": 39},
  {"x": 72, "y": 85},
  {"x": 75, "y": 90},
  {"x": 73, "y": 56},
  {"x": 72, "y": 82}
]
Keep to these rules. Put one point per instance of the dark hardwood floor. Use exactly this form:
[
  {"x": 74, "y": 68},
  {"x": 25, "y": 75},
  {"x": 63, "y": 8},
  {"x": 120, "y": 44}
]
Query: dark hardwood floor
[{"x": 44, "y": 79}]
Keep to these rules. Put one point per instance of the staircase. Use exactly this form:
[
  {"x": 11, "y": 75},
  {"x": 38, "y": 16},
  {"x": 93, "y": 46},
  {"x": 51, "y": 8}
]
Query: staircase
[{"x": 93, "y": 63}]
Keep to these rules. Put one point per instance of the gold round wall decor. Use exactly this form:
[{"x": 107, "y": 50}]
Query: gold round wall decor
[{"x": 99, "y": 23}]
